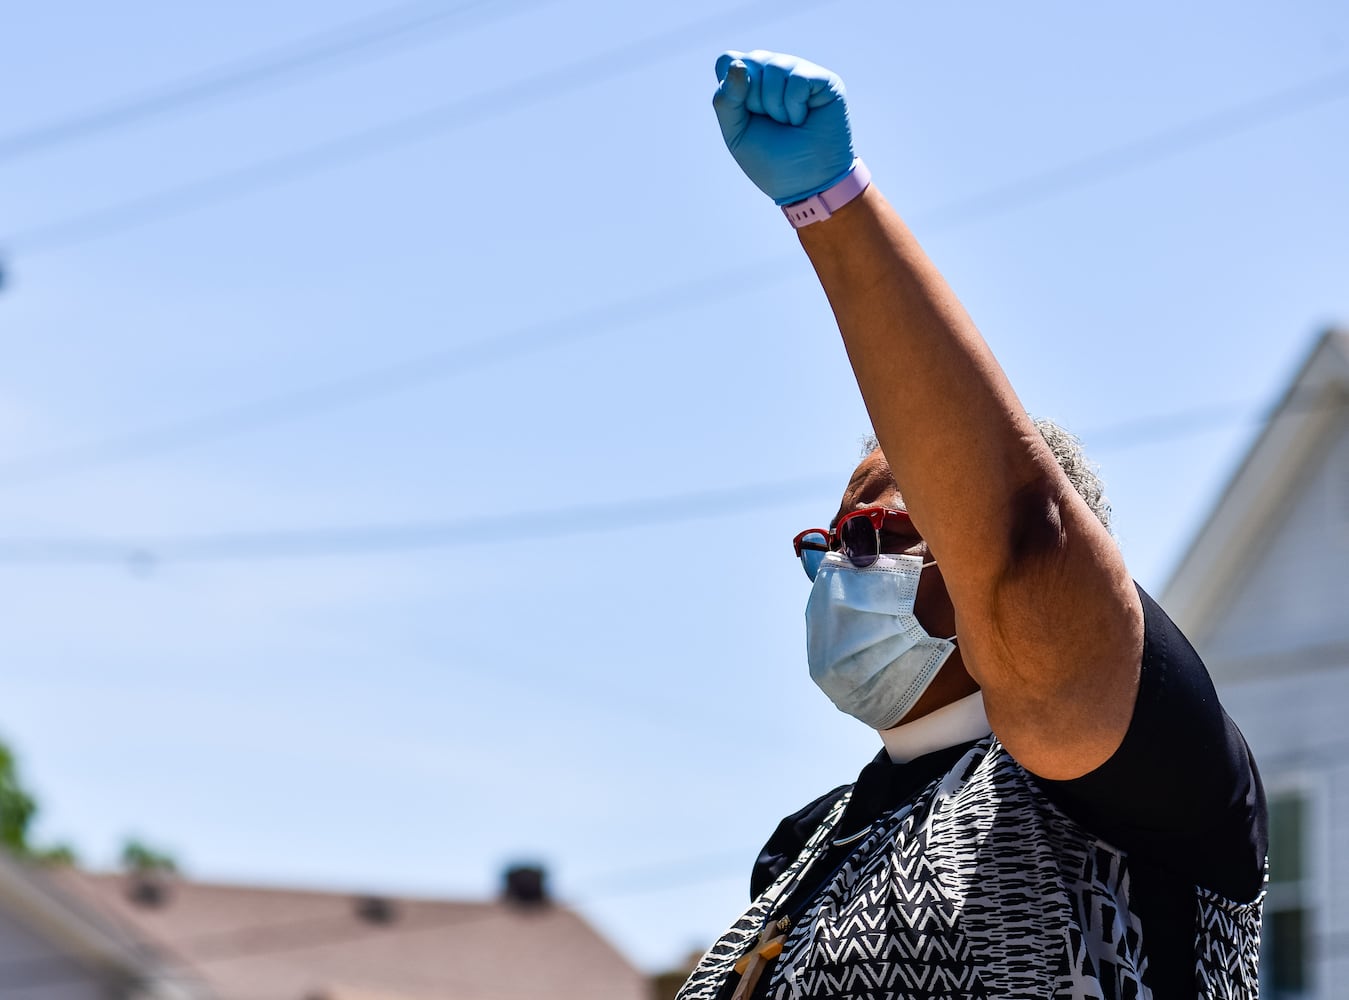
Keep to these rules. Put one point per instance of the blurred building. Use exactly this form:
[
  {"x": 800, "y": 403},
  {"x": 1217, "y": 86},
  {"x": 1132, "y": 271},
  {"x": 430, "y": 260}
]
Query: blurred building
[
  {"x": 231, "y": 942},
  {"x": 1263, "y": 592},
  {"x": 53, "y": 946}
]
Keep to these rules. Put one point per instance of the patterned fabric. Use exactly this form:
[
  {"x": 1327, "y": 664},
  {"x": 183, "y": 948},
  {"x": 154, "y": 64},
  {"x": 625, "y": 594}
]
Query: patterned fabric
[
  {"x": 1223, "y": 967},
  {"x": 717, "y": 964},
  {"x": 979, "y": 888}
]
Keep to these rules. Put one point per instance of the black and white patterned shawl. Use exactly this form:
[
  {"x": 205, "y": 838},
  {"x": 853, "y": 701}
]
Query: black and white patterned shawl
[{"x": 979, "y": 887}]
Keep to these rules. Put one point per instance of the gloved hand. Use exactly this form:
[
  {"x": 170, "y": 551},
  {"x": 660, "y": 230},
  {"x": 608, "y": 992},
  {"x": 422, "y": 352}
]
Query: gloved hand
[{"x": 785, "y": 121}]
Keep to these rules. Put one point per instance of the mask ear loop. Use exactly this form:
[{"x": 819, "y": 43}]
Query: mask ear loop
[{"x": 933, "y": 562}]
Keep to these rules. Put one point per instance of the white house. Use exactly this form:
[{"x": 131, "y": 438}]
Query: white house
[{"x": 1263, "y": 593}]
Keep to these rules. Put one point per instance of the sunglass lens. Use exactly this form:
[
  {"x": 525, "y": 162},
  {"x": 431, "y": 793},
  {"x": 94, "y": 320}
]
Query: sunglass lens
[
  {"x": 813, "y": 547},
  {"x": 858, "y": 540}
]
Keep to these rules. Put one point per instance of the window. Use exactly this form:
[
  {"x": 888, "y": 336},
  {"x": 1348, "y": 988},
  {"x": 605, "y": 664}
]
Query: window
[{"x": 1284, "y": 952}]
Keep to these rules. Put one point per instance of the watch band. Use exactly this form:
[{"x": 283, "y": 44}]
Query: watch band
[{"x": 820, "y": 206}]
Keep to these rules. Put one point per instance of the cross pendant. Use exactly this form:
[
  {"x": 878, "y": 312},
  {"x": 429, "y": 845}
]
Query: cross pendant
[{"x": 752, "y": 965}]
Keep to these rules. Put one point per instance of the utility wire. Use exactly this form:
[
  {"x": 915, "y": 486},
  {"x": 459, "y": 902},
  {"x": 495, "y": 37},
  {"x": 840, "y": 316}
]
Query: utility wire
[
  {"x": 422, "y": 370},
  {"x": 489, "y": 529},
  {"x": 511, "y": 97},
  {"x": 448, "y": 116},
  {"x": 408, "y": 24},
  {"x": 439, "y": 365},
  {"x": 1159, "y": 427},
  {"x": 143, "y": 554},
  {"x": 1129, "y": 156},
  {"x": 396, "y": 377},
  {"x": 1166, "y": 426},
  {"x": 666, "y": 875}
]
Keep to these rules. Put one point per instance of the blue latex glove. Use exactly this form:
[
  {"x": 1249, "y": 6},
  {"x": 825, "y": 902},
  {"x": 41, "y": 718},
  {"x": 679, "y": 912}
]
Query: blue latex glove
[{"x": 785, "y": 121}]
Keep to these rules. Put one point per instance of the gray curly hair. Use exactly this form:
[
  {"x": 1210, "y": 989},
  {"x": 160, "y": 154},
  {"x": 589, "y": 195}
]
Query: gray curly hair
[{"x": 1068, "y": 452}]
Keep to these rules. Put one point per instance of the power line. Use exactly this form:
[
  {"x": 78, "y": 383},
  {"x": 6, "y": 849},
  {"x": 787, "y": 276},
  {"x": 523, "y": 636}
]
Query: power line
[
  {"x": 143, "y": 554},
  {"x": 396, "y": 377},
  {"x": 408, "y": 24},
  {"x": 474, "y": 530},
  {"x": 1158, "y": 427},
  {"x": 1128, "y": 156},
  {"x": 1165, "y": 426},
  {"x": 511, "y": 97},
  {"x": 439, "y": 365},
  {"x": 666, "y": 875},
  {"x": 451, "y": 115},
  {"x": 422, "y": 370}
]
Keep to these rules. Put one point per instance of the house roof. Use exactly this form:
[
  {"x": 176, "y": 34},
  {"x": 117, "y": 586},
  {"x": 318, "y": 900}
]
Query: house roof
[
  {"x": 83, "y": 933},
  {"x": 280, "y": 944},
  {"x": 1301, "y": 427}
]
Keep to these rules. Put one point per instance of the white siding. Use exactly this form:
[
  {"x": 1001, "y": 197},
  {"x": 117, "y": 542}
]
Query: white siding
[
  {"x": 1264, "y": 596},
  {"x": 1292, "y": 721},
  {"x": 1297, "y": 726},
  {"x": 1296, "y": 588},
  {"x": 1336, "y": 964}
]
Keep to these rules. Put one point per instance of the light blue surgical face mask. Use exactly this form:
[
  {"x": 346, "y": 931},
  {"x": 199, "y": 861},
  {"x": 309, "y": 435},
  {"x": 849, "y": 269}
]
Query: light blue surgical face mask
[{"x": 865, "y": 647}]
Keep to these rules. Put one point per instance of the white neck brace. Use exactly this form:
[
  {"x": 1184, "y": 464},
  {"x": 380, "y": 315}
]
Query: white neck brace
[{"x": 957, "y": 722}]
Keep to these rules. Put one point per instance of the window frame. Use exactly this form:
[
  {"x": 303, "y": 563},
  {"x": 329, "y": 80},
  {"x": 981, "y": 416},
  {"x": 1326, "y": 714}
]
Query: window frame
[{"x": 1309, "y": 893}]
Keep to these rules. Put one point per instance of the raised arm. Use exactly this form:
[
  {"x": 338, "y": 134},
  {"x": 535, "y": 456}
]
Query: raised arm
[{"x": 1049, "y": 622}]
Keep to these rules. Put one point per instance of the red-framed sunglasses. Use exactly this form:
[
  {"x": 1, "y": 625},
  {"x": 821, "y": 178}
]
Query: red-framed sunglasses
[{"x": 857, "y": 536}]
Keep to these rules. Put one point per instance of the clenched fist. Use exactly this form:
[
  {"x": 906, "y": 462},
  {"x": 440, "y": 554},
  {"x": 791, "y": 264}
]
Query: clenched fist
[{"x": 785, "y": 120}]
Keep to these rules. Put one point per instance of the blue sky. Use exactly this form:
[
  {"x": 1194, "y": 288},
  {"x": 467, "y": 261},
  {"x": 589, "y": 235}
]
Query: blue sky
[{"x": 601, "y": 665}]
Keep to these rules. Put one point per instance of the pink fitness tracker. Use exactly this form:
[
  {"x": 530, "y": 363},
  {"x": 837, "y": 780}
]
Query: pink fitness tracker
[{"x": 819, "y": 207}]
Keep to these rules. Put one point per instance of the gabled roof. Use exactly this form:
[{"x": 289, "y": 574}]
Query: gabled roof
[
  {"x": 85, "y": 934},
  {"x": 283, "y": 944},
  {"x": 1296, "y": 435}
]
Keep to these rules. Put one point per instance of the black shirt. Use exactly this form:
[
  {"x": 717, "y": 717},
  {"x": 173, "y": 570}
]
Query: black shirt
[{"x": 1179, "y": 807}]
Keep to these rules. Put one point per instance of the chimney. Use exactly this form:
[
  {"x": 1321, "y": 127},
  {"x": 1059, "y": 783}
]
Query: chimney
[
  {"x": 148, "y": 889},
  {"x": 375, "y": 909},
  {"x": 525, "y": 885}
]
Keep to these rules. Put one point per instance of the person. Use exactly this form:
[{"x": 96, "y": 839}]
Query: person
[{"x": 1061, "y": 807}]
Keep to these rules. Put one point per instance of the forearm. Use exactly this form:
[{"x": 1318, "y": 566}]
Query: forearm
[{"x": 965, "y": 456}]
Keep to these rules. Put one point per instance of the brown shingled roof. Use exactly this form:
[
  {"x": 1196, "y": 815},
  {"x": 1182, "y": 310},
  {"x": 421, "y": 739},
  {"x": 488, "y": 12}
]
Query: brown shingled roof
[{"x": 275, "y": 944}]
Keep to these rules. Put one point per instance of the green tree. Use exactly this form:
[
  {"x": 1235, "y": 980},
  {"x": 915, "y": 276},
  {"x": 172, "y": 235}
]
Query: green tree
[
  {"x": 18, "y": 810},
  {"x": 139, "y": 859}
]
